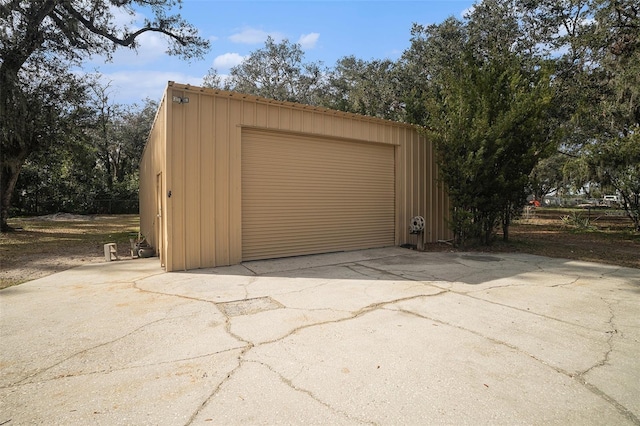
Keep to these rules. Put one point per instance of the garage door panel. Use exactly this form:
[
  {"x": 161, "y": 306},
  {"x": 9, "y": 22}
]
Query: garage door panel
[{"x": 304, "y": 195}]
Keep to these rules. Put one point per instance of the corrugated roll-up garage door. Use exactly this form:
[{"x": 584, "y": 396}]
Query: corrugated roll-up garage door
[{"x": 304, "y": 195}]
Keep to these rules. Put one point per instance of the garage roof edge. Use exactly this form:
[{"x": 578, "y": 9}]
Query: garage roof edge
[{"x": 258, "y": 99}]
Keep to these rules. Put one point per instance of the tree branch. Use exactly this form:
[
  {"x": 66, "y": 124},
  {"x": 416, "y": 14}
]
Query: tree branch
[{"x": 126, "y": 41}]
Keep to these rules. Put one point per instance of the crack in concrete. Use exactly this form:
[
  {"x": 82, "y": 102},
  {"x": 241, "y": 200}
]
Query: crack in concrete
[
  {"x": 433, "y": 281},
  {"x": 489, "y": 288},
  {"x": 575, "y": 280},
  {"x": 384, "y": 272},
  {"x": 127, "y": 368},
  {"x": 621, "y": 408},
  {"x": 611, "y": 333},
  {"x": 249, "y": 345},
  {"x": 310, "y": 394},
  {"x": 380, "y": 273},
  {"x": 318, "y": 309},
  {"x": 526, "y": 311},
  {"x": 25, "y": 380},
  {"x": 353, "y": 269},
  {"x": 419, "y": 282},
  {"x": 581, "y": 377},
  {"x": 254, "y": 273},
  {"x": 76, "y": 354},
  {"x": 448, "y": 289},
  {"x": 196, "y": 299},
  {"x": 252, "y": 280},
  {"x": 321, "y": 284},
  {"x": 577, "y": 377},
  {"x": 216, "y": 390},
  {"x": 180, "y": 296},
  {"x": 382, "y": 305},
  {"x": 491, "y": 339},
  {"x": 354, "y": 314},
  {"x": 409, "y": 277},
  {"x": 303, "y": 268}
]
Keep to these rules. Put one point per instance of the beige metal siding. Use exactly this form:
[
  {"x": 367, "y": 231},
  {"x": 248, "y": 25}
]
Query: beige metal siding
[
  {"x": 419, "y": 191},
  {"x": 303, "y": 195},
  {"x": 152, "y": 165},
  {"x": 197, "y": 147}
]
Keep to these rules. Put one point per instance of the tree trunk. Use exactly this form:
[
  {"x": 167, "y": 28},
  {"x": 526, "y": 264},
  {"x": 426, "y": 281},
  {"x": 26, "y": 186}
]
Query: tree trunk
[
  {"x": 506, "y": 221},
  {"x": 10, "y": 164},
  {"x": 631, "y": 205},
  {"x": 10, "y": 172}
]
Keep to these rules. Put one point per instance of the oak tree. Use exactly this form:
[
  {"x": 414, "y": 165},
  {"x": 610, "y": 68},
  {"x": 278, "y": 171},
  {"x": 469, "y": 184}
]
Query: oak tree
[
  {"x": 37, "y": 40},
  {"x": 276, "y": 71},
  {"x": 486, "y": 103}
]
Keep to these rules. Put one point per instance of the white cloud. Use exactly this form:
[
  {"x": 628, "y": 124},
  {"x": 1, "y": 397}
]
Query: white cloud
[
  {"x": 227, "y": 61},
  {"x": 255, "y": 36},
  {"x": 465, "y": 14},
  {"x": 123, "y": 17},
  {"x": 308, "y": 41},
  {"x": 151, "y": 47},
  {"x": 134, "y": 86}
]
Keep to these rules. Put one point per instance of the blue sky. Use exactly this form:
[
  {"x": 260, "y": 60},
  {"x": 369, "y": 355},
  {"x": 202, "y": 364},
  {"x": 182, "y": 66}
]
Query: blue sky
[{"x": 327, "y": 30}]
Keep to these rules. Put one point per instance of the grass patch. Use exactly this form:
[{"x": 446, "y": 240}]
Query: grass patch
[
  {"x": 601, "y": 239},
  {"x": 597, "y": 236},
  {"x": 49, "y": 244},
  {"x": 58, "y": 242}
]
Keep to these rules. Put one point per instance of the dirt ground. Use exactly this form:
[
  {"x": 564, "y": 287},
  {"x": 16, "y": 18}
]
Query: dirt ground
[
  {"x": 44, "y": 245},
  {"x": 49, "y": 244},
  {"x": 613, "y": 247},
  {"x": 594, "y": 236}
]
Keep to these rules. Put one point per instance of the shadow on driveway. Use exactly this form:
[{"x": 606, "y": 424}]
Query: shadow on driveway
[{"x": 384, "y": 336}]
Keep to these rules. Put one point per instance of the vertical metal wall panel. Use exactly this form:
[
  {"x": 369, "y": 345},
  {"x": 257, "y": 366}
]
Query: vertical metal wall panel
[
  {"x": 206, "y": 164},
  {"x": 402, "y": 177},
  {"x": 248, "y": 113},
  {"x": 414, "y": 187},
  {"x": 285, "y": 118},
  {"x": 303, "y": 195},
  {"x": 235, "y": 201},
  {"x": 192, "y": 183},
  {"x": 261, "y": 115},
  {"x": 420, "y": 193},
  {"x": 221, "y": 181},
  {"x": 153, "y": 163},
  {"x": 176, "y": 204},
  {"x": 199, "y": 150},
  {"x": 168, "y": 173},
  {"x": 307, "y": 121},
  {"x": 296, "y": 120}
]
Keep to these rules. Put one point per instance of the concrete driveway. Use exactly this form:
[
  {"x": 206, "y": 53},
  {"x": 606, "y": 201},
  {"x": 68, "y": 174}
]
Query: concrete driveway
[{"x": 385, "y": 336}]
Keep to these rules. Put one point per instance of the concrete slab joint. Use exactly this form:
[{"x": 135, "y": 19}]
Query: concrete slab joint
[{"x": 384, "y": 336}]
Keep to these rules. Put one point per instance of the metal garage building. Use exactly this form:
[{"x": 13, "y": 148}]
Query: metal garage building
[{"x": 227, "y": 177}]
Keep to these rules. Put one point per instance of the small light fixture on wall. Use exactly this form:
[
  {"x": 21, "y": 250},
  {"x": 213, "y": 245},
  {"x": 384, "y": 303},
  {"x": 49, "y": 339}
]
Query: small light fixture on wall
[{"x": 179, "y": 100}]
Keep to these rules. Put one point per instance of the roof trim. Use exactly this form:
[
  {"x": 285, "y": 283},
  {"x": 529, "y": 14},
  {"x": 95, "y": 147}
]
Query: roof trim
[{"x": 304, "y": 107}]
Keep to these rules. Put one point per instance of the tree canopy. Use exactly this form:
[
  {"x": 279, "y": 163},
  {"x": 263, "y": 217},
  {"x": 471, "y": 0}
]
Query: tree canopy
[
  {"x": 277, "y": 71},
  {"x": 39, "y": 40},
  {"x": 520, "y": 97},
  {"x": 486, "y": 107}
]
